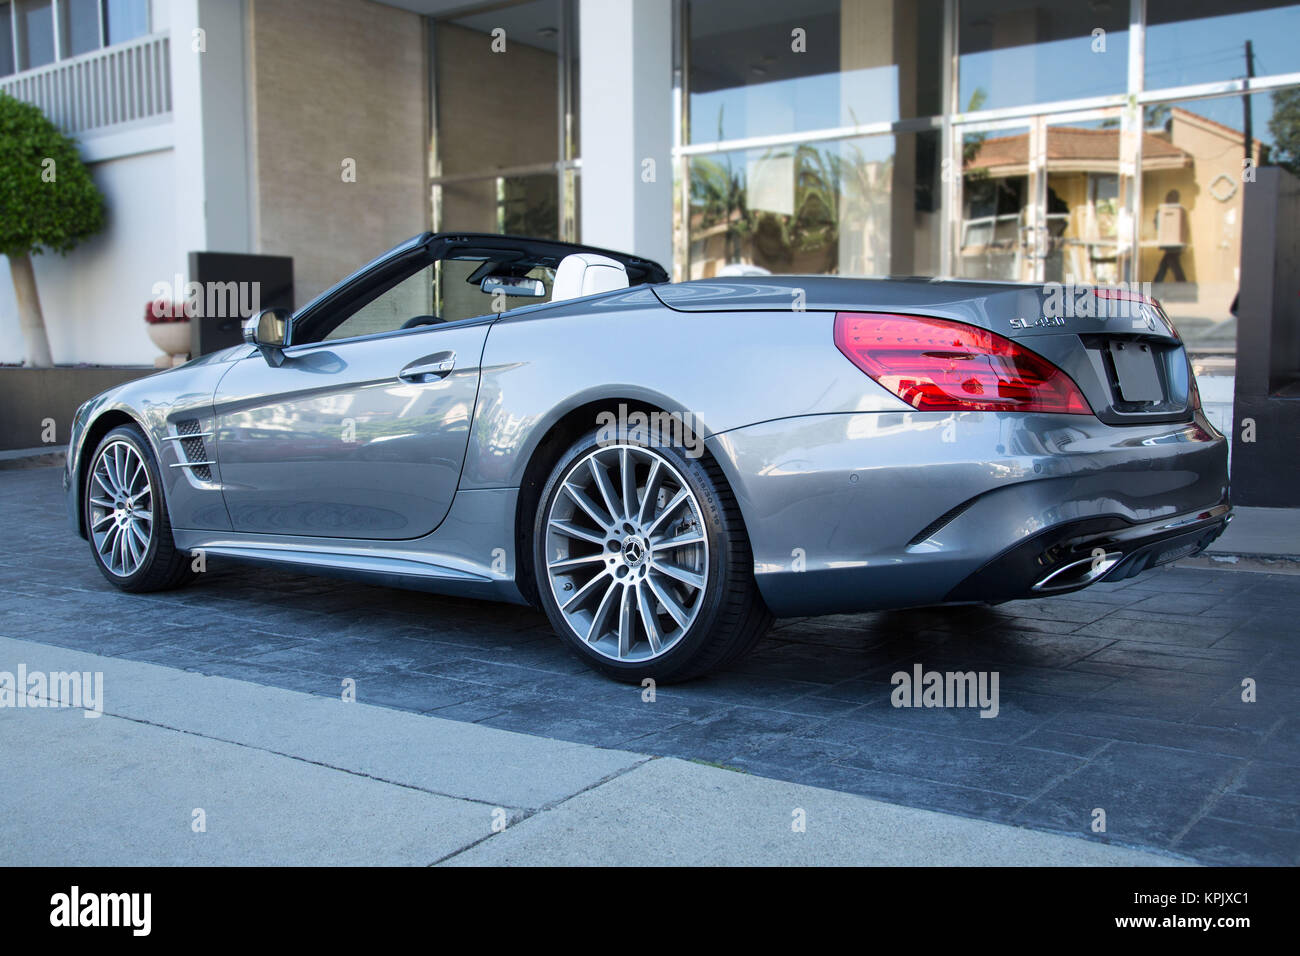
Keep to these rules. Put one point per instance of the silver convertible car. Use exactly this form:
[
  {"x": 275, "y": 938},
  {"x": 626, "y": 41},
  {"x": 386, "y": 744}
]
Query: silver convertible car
[{"x": 662, "y": 467}]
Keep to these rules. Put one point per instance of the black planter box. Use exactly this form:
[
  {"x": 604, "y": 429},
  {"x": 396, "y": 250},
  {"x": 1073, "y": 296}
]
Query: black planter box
[{"x": 31, "y": 397}]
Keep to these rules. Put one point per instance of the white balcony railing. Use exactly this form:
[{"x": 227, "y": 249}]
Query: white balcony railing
[{"x": 119, "y": 84}]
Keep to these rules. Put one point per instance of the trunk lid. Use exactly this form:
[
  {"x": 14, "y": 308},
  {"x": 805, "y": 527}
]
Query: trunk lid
[{"x": 1121, "y": 350}]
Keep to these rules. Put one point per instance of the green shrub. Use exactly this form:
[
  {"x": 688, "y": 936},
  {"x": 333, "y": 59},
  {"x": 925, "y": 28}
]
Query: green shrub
[{"x": 42, "y": 205}]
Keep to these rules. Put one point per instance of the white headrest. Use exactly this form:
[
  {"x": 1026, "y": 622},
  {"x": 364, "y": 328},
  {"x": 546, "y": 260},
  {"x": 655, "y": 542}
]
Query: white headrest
[{"x": 585, "y": 273}]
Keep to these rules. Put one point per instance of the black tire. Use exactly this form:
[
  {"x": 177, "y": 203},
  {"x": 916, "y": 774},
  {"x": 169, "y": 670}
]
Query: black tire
[
  {"x": 162, "y": 565},
  {"x": 731, "y": 618}
]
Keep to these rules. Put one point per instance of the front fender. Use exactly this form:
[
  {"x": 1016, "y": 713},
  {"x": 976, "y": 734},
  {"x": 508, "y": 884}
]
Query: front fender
[{"x": 154, "y": 403}]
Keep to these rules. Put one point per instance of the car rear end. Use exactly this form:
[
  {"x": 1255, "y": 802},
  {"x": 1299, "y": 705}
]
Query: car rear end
[{"x": 1046, "y": 438}]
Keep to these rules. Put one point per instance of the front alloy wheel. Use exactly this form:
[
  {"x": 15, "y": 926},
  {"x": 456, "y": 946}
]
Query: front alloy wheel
[
  {"x": 126, "y": 515},
  {"x": 121, "y": 508}
]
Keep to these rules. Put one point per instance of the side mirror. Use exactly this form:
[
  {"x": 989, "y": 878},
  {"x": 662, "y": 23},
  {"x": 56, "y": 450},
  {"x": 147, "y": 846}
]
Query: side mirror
[{"x": 269, "y": 331}]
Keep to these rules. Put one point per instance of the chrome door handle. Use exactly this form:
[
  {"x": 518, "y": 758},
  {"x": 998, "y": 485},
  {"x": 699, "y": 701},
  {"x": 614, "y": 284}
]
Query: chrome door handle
[{"x": 424, "y": 370}]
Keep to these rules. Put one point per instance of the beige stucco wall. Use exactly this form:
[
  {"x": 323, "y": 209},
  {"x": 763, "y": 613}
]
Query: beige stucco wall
[{"x": 334, "y": 80}]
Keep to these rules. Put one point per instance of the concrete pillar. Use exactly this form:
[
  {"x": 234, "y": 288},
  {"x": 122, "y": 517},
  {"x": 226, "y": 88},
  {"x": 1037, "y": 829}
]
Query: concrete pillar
[
  {"x": 209, "y": 116},
  {"x": 625, "y": 48}
]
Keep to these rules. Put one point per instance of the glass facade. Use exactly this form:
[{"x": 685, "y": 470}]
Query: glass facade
[
  {"x": 827, "y": 207},
  {"x": 1015, "y": 52},
  {"x": 504, "y": 146},
  {"x": 785, "y": 68},
  {"x": 1192, "y": 189},
  {"x": 1027, "y": 140},
  {"x": 1194, "y": 41}
]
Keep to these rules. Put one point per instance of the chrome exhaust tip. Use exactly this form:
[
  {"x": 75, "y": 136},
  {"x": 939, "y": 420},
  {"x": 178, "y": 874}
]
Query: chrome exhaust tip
[{"x": 1079, "y": 573}]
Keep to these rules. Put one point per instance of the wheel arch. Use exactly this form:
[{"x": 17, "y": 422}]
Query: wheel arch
[
  {"x": 95, "y": 431},
  {"x": 555, "y": 441}
]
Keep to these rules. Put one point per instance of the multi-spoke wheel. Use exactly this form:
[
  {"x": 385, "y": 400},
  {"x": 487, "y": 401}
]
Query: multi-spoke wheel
[
  {"x": 642, "y": 563},
  {"x": 627, "y": 556},
  {"x": 121, "y": 508},
  {"x": 126, "y": 517}
]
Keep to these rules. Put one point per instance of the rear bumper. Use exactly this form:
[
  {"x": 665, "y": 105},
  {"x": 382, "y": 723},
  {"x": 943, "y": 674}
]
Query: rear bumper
[
  {"x": 869, "y": 511},
  {"x": 1078, "y": 554}
]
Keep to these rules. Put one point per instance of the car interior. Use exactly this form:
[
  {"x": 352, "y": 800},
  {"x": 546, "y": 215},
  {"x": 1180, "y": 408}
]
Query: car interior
[{"x": 467, "y": 286}]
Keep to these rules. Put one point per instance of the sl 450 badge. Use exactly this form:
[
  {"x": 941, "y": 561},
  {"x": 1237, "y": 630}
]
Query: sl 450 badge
[{"x": 1043, "y": 321}]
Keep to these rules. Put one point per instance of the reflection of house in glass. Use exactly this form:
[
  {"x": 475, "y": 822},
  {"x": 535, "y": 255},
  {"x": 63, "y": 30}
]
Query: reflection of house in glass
[
  {"x": 1206, "y": 232},
  {"x": 1191, "y": 187}
]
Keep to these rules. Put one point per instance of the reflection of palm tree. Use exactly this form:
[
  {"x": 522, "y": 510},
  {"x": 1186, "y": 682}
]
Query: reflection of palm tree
[
  {"x": 818, "y": 179},
  {"x": 814, "y": 226},
  {"x": 718, "y": 194},
  {"x": 719, "y": 198},
  {"x": 1157, "y": 116},
  {"x": 972, "y": 143},
  {"x": 868, "y": 210}
]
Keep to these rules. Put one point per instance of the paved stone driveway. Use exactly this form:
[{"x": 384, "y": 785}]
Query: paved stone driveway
[{"x": 1125, "y": 698}]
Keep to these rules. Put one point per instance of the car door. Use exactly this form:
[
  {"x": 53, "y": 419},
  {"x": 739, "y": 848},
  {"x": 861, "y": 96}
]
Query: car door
[{"x": 361, "y": 431}]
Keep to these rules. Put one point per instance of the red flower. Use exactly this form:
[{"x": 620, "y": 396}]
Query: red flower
[{"x": 160, "y": 310}]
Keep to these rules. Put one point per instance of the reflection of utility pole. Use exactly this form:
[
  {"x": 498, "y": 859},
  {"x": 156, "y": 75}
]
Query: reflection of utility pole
[{"x": 1250, "y": 75}]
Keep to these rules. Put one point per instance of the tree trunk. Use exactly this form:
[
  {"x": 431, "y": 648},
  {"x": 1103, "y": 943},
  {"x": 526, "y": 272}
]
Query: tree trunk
[{"x": 29, "y": 312}]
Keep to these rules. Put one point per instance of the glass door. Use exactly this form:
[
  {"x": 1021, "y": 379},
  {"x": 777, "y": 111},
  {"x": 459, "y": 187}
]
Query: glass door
[
  {"x": 994, "y": 223},
  {"x": 1045, "y": 199},
  {"x": 503, "y": 156},
  {"x": 1085, "y": 232}
]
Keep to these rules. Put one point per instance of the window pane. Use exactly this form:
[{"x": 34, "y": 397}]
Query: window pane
[
  {"x": 1192, "y": 191},
  {"x": 125, "y": 19},
  {"x": 1201, "y": 41},
  {"x": 993, "y": 240},
  {"x": 80, "y": 26},
  {"x": 6, "y": 40},
  {"x": 1084, "y": 204},
  {"x": 409, "y": 299},
  {"x": 459, "y": 298},
  {"x": 771, "y": 68},
  {"x": 1014, "y": 54},
  {"x": 496, "y": 110},
  {"x": 865, "y": 206},
  {"x": 35, "y": 33},
  {"x": 512, "y": 205}
]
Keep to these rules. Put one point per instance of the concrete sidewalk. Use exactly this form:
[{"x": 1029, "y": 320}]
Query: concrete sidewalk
[
  {"x": 282, "y": 777},
  {"x": 1261, "y": 532}
]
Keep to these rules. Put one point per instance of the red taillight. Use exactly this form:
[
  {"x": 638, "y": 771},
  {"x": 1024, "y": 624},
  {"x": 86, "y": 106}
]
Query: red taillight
[{"x": 940, "y": 366}]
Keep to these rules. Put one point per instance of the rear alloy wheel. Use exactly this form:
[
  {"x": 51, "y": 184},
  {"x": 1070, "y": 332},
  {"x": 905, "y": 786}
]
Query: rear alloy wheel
[
  {"x": 643, "y": 564},
  {"x": 126, "y": 517}
]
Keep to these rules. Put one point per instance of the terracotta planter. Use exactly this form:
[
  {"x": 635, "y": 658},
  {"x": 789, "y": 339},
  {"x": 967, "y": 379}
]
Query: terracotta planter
[{"x": 172, "y": 338}]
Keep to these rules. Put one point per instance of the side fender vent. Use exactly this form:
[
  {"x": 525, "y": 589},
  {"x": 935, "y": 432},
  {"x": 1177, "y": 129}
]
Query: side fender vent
[{"x": 193, "y": 449}]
